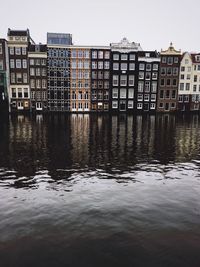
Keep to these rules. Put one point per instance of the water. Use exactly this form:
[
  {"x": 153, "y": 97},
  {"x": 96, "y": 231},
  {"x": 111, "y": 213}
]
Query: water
[{"x": 87, "y": 190}]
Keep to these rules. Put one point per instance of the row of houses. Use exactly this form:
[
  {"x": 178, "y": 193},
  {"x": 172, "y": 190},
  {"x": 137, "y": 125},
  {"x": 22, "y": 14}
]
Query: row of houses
[{"x": 121, "y": 77}]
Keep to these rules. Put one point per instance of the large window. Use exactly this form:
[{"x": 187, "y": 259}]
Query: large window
[
  {"x": 131, "y": 80},
  {"x": 131, "y": 66},
  {"x": 115, "y": 66},
  {"x": 123, "y": 66},
  {"x": 122, "y": 93},
  {"x": 130, "y": 93},
  {"x": 18, "y": 63},
  {"x": 115, "y": 56},
  {"x": 140, "y": 86},
  {"x": 12, "y": 63},
  {"x": 114, "y": 93},
  {"x": 17, "y": 50},
  {"x": 124, "y": 56},
  {"x": 123, "y": 80}
]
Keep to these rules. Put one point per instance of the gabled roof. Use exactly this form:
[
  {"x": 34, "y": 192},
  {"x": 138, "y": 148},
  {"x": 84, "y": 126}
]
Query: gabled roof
[
  {"x": 18, "y": 32},
  {"x": 194, "y": 57}
]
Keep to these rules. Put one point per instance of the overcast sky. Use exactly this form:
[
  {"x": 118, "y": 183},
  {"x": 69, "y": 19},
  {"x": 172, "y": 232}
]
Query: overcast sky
[{"x": 152, "y": 23}]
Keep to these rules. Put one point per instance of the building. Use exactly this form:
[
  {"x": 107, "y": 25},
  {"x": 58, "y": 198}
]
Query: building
[
  {"x": 80, "y": 80},
  {"x": 147, "y": 85},
  {"x": 4, "y": 75},
  {"x": 123, "y": 81},
  {"x": 168, "y": 80},
  {"x": 37, "y": 58},
  {"x": 58, "y": 73},
  {"x": 19, "y": 89},
  {"x": 100, "y": 78},
  {"x": 189, "y": 85}
]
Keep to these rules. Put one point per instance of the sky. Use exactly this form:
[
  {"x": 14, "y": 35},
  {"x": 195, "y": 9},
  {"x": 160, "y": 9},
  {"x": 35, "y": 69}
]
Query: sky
[{"x": 152, "y": 23}]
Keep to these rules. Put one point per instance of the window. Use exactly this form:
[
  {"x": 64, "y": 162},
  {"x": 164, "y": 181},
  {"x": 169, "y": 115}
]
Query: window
[
  {"x": 187, "y": 87},
  {"x": 174, "y": 83},
  {"x": 181, "y": 86},
  {"x": 73, "y": 54},
  {"x": 12, "y": 77},
  {"x": 23, "y": 50},
  {"x": 24, "y": 63},
  {"x": 17, "y": 50},
  {"x": 124, "y": 56},
  {"x": 115, "y": 56},
  {"x": 100, "y": 65},
  {"x": 140, "y": 86},
  {"x": 161, "y": 94},
  {"x": 147, "y": 87},
  {"x": 122, "y": 93},
  {"x": 170, "y": 60},
  {"x": 195, "y": 78},
  {"x": 163, "y": 71},
  {"x": 161, "y": 105},
  {"x": 1, "y": 64},
  {"x": 173, "y": 94},
  {"x": 182, "y": 69},
  {"x": 106, "y": 65},
  {"x": 139, "y": 105},
  {"x": 131, "y": 80},
  {"x": 107, "y": 54},
  {"x": 106, "y": 75},
  {"x": 44, "y": 84},
  {"x": 130, "y": 104},
  {"x": 86, "y": 54},
  {"x": 25, "y": 92},
  {"x": 123, "y": 66},
  {"x": 94, "y": 54},
  {"x": 189, "y": 69},
  {"x": 115, "y": 66},
  {"x": 19, "y": 77},
  {"x": 186, "y": 61},
  {"x": 19, "y": 92},
  {"x": 80, "y": 64},
  {"x": 131, "y": 66},
  {"x": 155, "y": 66},
  {"x": 167, "y": 93},
  {"x": 86, "y": 64},
  {"x": 14, "y": 95},
  {"x": 44, "y": 72},
  {"x": 114, "y": 104},
  {"x": 162, "y": 82},
  {"x": 180, "y": 98},
  {"x": 176, "y": 60},
  {"x": 146, "y": 97},
  {"x": 115, "y": 80},
  {"x": 1, "y": 49},
  {"x": 32, "y": 82},
  {"x": 123, "y": 80},
  {"x": 43, "y": 62},
  {"x": 18, "y": 63},
  {"x": 132, "y": 57},
  {"x": 154, "y": 75},
  {"x": 38, "y": 84},
  {"x": 148, "y": 75},
  {"x": 141, "y": 75},
  {"x": 169, "y": 71},
  {"x": 141, "y": 66},
  {"x": 140, "y": 97},
  {"x": 194, "y": 88},
  {"x": 37, "y": 71},
  {"x": 12, "y": 63},
  {"x": 188, "y": 76},
  {"x": 130, "y": 93},
  {"x": 175, "y": 71},
  {"x": 12, "y": 51},
  {"x": 153, "y": 97},
  {"x": 154, "y": 87},
  {"x": 25, "y": 77},
  {"x": 100, "y": 54},
  {"x": 164, "y": 60},
  {"x": 168, "y": 82},
  {"x": 182, "y": 76},
  {"x": 148, "y": 67},
  {"x": 152, "y": 106}
]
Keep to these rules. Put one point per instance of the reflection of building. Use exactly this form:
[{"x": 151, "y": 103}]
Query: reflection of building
[
  {"x": 37, "y": 56},
  {"x": 148, "y": 75},
  {"x": 58, "y": 71},
  {"x": 100, "y": 77},
  {"x": 123, "y": 81},
  {"x": 168, "y": 80},
  {"x": 80, "y": 89},
  {"x": 189, "y": 85},
  {"x": 4, "y": 75},
  {"x": 19, "y": 90}
]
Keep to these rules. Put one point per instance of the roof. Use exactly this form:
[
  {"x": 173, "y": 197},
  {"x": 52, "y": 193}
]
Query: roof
[
  {"x": 194, "y": 57},
  {"x": 37, "y": 48},
  {"x": 170, "y": 51},
  {"x": 18, "y": 32}
]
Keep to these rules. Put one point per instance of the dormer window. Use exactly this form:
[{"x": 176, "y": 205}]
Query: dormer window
[
  {"x": 147, "y": 54},
  {"x": 198, "y": 58}
]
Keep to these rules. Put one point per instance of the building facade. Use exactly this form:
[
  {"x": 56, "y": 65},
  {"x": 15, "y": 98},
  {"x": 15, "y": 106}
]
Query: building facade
[
  {"x": 80, "y": 79},
  {"x": 19, "y": 89},
  {"x": 100, "y": 78},
  {"x": 147, "y": 85},
  {"x": 123, "y": 81},
  {"x": 58, "y": 73},
  {"x": 37, "y": 59},
  {"x": 4, "y": 75},
  {"x": 189, "y": 85},
  {"x": 169, "y": 80}
]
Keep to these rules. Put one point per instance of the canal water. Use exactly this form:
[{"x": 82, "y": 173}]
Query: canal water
[{"x": 98, "y": 191}]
